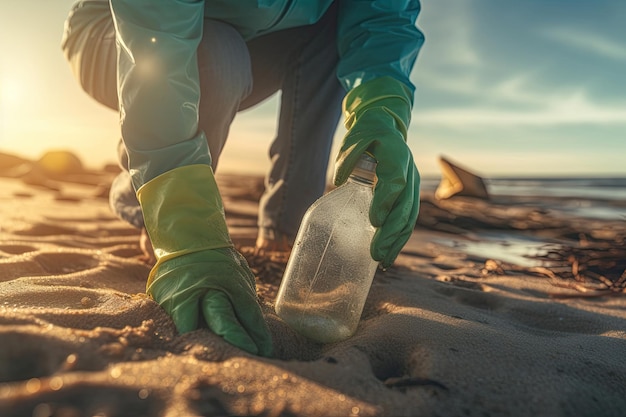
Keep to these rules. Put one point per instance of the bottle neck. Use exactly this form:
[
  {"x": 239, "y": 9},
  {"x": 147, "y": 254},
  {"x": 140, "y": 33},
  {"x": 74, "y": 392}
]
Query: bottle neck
[
  {"x": 361, "y": 180},
  {"x": 365, "y": 170}
]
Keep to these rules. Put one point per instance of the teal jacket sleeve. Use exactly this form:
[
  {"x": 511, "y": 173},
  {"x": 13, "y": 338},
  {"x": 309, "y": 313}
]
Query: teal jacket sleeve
[
  {"x": 158, "y": 84},
  {"x": 377, "y": 38}
]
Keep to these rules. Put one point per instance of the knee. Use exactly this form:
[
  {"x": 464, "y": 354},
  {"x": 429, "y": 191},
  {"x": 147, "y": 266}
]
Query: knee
[
  {"x": 224, "y": 63},
  {"x": 89, "y": 47}
]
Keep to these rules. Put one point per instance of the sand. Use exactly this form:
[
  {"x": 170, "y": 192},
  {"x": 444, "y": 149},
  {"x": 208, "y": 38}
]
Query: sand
[{"x": 447, "y": 331}]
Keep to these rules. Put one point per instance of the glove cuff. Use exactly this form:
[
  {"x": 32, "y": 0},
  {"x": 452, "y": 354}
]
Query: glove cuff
[
  {"x": 183, "y": 212},
  {"x": 373, "y": 93}
]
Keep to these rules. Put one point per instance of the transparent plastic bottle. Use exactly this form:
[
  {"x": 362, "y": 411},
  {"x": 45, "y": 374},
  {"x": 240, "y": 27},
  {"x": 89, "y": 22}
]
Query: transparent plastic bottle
[{"x": 330, "y": 270}]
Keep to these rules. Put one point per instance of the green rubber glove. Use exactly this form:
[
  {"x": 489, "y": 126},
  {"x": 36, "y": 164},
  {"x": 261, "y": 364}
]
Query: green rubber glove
[
  {"x": 199, "y": 276},
  {"x": 378, "y": 113}
]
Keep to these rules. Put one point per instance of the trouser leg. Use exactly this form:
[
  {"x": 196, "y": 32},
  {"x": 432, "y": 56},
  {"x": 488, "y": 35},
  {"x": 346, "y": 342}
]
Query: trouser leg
[
  {"x": 301, "y": 63},
  {"x": 89, "y": 47}
]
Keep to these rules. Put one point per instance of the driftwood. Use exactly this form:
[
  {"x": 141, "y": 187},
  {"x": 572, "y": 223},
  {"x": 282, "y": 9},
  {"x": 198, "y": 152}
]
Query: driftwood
[{"x": 595, "y": 269}]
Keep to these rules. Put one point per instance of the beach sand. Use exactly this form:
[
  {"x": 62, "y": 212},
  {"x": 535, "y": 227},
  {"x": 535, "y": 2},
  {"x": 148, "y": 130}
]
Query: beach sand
[{"x": 450, "y": 330}]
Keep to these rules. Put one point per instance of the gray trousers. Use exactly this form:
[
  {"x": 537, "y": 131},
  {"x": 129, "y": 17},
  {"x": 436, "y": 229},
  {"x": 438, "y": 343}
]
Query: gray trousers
[{"x": 299, "y": 63}]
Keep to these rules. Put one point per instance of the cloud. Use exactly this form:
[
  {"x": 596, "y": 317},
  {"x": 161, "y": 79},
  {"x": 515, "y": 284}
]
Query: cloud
[
  {"x": 575, "y": 109},
  {"x": 587, "y": 41},
  {"x": 518, "y": 89},
  {"x": 449, "y": 30},
  {"x": 525, "y": 88}
]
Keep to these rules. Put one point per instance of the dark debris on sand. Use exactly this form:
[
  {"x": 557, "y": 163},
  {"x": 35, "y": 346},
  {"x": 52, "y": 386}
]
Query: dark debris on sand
[{"x": 590, "y": 255}]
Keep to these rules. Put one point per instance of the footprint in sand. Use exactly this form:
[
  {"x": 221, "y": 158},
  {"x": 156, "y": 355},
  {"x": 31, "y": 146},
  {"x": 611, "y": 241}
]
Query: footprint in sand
[
  {"x": 43, "y": 229},
  {"x": 16, "y": 249},
  {"x": 23, "y": 261},
  {"x": 64, "y": 263}
]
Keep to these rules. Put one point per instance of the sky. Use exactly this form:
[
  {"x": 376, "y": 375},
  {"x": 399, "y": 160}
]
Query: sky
[{"x": 503, "y": 87}]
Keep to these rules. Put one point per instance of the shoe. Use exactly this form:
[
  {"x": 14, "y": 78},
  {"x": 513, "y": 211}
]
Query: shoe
[
  {"x": 270, "y": 241},
  {"x": 146, "y": 247}
]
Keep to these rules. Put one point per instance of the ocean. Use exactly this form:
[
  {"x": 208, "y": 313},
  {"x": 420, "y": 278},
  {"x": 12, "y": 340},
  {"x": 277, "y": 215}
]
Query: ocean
[{"x": 593, "y": 197}]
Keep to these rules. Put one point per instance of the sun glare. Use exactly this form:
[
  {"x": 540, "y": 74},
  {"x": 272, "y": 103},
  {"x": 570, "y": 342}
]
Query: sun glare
[
  {"x": 12, "y": 99},
  {"x": 11, "y": 92}
]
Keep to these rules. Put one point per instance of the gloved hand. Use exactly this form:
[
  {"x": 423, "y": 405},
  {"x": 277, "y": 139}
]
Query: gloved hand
[
  {"x": 198, "y": 274},
  {"x": 377, "y": 115}
]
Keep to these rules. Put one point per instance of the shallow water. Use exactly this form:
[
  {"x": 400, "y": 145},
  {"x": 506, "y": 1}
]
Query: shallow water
[{"x": 519, "y": 250}]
